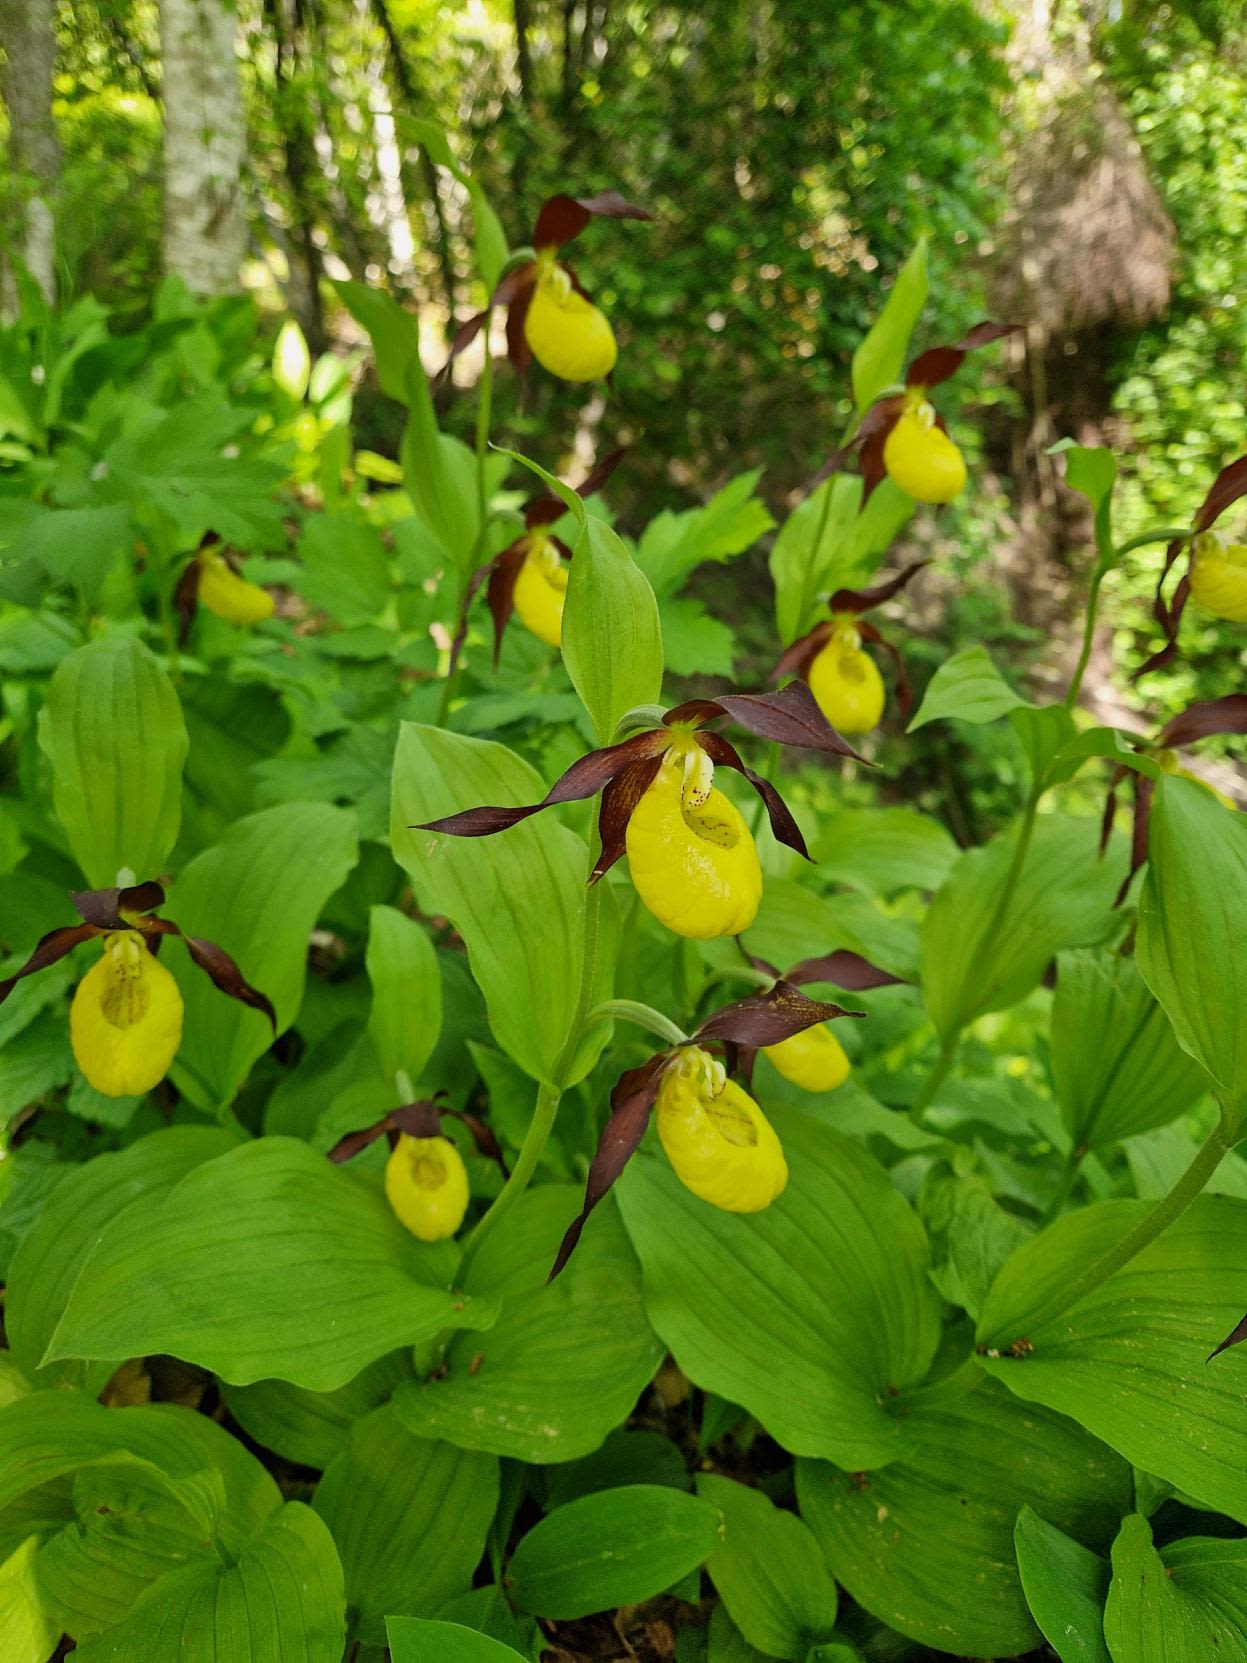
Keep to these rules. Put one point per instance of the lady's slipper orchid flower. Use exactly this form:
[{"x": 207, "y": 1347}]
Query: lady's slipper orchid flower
[
  {"x": 692, "y": 857},
  {"x": 529, "y": 576},
  {"x": 426, "y": 1182},
  {"x": 1216, "y": 574},
  {"x": 1198, "y": 721},
  {"x": 903, "y": 436},
  {"x": 830, "y": 658},
  {"x": 550, "y": 317},
  {"x": 814, "y": 1058},
  {"x": 211, "y": 581},
  {"x": 125, "y": 1022},
  {"x": 719, "y": 1143}
]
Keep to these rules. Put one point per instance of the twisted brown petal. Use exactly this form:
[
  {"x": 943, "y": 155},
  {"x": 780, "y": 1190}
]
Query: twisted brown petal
[
  {"x": 783, "y": 825},
  {"x": 48, "y": 949}
]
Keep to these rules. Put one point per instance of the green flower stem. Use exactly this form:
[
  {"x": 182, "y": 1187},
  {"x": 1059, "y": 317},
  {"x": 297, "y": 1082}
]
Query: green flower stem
[
  {"x": 484, "y": 414},
  {"x": 1166, "y": 534},
  {"x": 645, "y": 1016},
  {"x": 548, "y": 1093},
  {"x": 1170, "y": 1207},
  {"x": 935, "y": 1079}
]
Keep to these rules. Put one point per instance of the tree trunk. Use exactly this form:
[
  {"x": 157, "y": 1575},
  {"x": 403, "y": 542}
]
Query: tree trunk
[
  {"x": 289, "y": 100},
  {"x": 523, "y": 53},
  {"x": 204, "y": 225},
  {"x": 28, "y": 32}
]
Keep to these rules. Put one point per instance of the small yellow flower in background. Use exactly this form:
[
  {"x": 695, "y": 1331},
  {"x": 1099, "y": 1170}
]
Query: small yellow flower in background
[
  {"x": 566, "y": 333},
  {"x": 814, "y": 1059},
  {"x": 229, "y": 596},
  {"x": 541, "y": 589},
  {"x": 720, "y": 1144},
  {"x": 426, "y": 1183},
  {"x": 846, "y": 681},
  {"x": 920, "y": 457},
  {"x": 125, "y": 1022},
  {"x": 691, "y": 855},
  {"x": 1219, "y": 577}
]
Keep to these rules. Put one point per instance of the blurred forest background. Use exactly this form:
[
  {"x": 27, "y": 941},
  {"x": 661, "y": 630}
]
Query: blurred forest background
[{"x": 1078, "y": 165}]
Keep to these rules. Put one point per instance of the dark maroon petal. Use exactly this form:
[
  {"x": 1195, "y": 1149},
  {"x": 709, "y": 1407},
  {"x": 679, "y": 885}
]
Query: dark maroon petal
[
  {"x": 767, "y": 1018},
  {"x": 796, "y": 659},
  {"x": 517, "y": 342},
  {"x": 1168, "y": 616},
  {"x": 186, "y": 600},
  {"x": 904, "y": 687},
  {"x": 610, "y": 205},
  {"x": 564, "y": 217},
  {"x": 1110, "y": 810},
  {"x": 783, "y": 825},
  {"x": 843, "y": 969},
  {"x": 631, "y": 1102},
  {"x": 1144, "y": 790},
  {"x": 48, "y": 949},
  {"x": 482, "y": 1136},
  {"x": 936, "y": 365},
  {"x": 504, "y": 571},
  {"x": 861, "y": 600},
  {"x": 619, "y": 798},
  {"x": 1236, "y": 1336},
  {"x": 224, "y": 974},
  {"x": 1229, "y": 485},
  {"x": 349, "y": 1146},
  {"x": 585, "y": 778},
  {"x": 1206, "y": 717},
  {"x": 790, "y": 717},
  {"x": 871, "y": 463}
]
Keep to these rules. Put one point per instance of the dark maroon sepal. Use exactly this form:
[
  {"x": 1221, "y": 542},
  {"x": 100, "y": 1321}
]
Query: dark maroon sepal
[
  {"x": 585, "y": 778},
  {"x": 106, "y": 908},
  {"x": 1236, "y": 1336},
  {"x": 564, "y": 217},
  {"x": 783, "y": 823},
  {"x": 619, "y": 798},
  {"x": 904, "y": 687},
  {"x": 862, "y": 600},
  {"x": 631, "y": 1102},
  {"x": 767, "y": 1018},
  {"x": 843, "y": 969},
  {"x": 1206, "y": 717},
  {"x": 939, "y": 362},
  {"x": 224, "y": 974},
  {"x": 789, "y": 717},
  {"x": 796, "y": 659},
  {"x": 545, "y": 510}
]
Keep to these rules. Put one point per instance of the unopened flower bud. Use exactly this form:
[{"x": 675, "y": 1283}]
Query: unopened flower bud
[{"x": 814, "y": 1059}]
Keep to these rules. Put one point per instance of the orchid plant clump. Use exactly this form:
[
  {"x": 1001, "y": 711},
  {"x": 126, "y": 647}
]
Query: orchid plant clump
[{"x": 521, "y": 1199}]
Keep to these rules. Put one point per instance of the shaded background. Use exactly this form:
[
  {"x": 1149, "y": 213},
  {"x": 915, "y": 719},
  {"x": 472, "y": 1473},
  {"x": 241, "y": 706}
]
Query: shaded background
[{"x": 1079, "y": 167}]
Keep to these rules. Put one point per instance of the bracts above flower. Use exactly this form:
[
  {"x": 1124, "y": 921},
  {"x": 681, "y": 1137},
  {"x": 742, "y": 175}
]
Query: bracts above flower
[
  {"x": 125, "y": 1022},
  {"x": 719, "y": 1143},
  {"x": 550, "y": 316},
  {"x": 690, "y": 853}
]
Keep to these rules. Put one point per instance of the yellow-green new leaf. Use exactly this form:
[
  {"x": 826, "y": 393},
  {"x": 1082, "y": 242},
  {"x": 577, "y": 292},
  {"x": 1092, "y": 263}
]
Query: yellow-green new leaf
[
  {"x": 612, "y": 639},
  {"x": 406, "y": 1014},
  {"x": 878, "y": 361}
]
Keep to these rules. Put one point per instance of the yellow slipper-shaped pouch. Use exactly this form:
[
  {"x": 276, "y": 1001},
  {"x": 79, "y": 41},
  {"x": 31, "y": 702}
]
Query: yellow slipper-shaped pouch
[
  {"x": 229, "y": 596},
  {"x": 720, "y": 1144},
  {"x": 566, "y": 333},
  {"x": 1219, "y": 579},
  {"x": 692, "y": 857},
  {"x": 125, "y": 1022},
  {"x": 541, "y": 591},
  {"x": 814, "y": 1059},
  {"x": 847, "y": 685},
  {"x": 921, "y": 458},
  {"x": 426, "y": 1183}
]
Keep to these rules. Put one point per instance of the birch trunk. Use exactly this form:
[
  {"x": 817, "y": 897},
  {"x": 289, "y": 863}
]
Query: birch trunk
[
  {"x": 204, "y": 223},
  {"x": 27, "y": 32}
]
